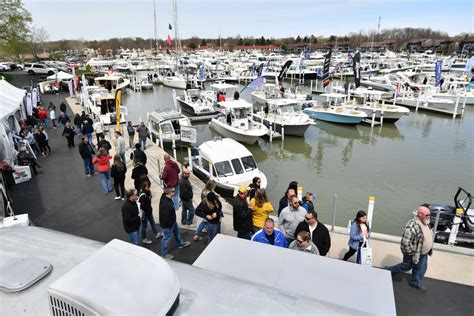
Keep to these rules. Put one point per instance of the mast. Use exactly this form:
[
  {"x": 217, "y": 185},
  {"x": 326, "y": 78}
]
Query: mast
[
  {"x": 154, "y": 46},
  {"x": 176, "y": 34},
  {"x": 373, "y": 35}
]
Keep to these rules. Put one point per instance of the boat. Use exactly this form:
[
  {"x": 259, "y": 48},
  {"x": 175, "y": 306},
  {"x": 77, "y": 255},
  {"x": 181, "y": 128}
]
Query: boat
[
  {"x": 286, "y": 113},
  {"x": 102, "y": 106},
  {"x": 112, "y": 83},
  {"x": 232, "y": 165},
  {"x": 145, "y": 83},
  {"x": 175, "y": 82},
  {"x": 265, "y": 93},
  {"x": 334, "y": 111},
  {"x": 375, "y": 107},
  {"x": 167, "y": 124},
  {"x": 226, "y": 89},
  {"x": 235, "y": 121},
  {"x": 195, "y": 103}
]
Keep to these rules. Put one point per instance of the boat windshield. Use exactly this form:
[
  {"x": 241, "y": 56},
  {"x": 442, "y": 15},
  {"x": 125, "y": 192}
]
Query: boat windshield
[
  {"x": 240, "y": 113},
  {"x": 237, "y": 166},
  {"x": 249, "y": 163},
  {"x": 223, "y": 169},
  {"x": 290, "y": 108}
]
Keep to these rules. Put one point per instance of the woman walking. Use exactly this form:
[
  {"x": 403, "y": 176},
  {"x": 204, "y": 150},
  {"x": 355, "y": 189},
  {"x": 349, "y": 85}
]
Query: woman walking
[
  {"x": 46, "y": 139},
  {"x": 358, "y": 234},
  {"x": 41, "y": 141},
  {"x": 103, "y": 167},
  {"x": 144, "y": 202},
  {"x": 211, "y": 210},
  {"x": 68, "y": 132},
  {"x": 209, "y": 187},
  {"x": 118, "y": 172},
  {"x": 261, "y": 209}
]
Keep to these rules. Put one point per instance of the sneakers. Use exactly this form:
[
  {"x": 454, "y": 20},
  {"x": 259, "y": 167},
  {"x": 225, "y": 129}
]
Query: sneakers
[
  {"x": 88, "y": 175},
  {"x": 168, "y": 257},
  {"x": 186, "y": 244},
  {"x": 420, "y": 288},
  {"x": 146, "y": 241},
  {"x": 123, "y": 199},
  {"x": 197, "y": 238},
  {"x": 159, "y": 235},
  {"x": 117, "y": 198}
]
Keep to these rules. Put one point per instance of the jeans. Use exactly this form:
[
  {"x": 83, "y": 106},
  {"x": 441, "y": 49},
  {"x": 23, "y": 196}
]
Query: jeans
[
  {"x": 176, "y": 197},
  {"x": 119, "y": 184},
  {"x": 130, "y": 140},
  {"x": 44, "y": 123},
  {"x": 148, "y": 218},
  {"x": 122, "y": 157},
  {"x": 89, "y": 138},
  {"x": 244, "y": 235},
  {"x": 54, "y": 122},
  {"x": 167, "y": 232},
  {"x": 212, "y": 229},
  {"x": 133, "y": 236},
  {"x": 88, "y": 166},
  {"x": 417, "y": 270},
  {"x": 106, "y": 181},
  {"x": 187, "y": 212},
  {"x": 201, "y": 226},
  {"x": 142, "y": 141},
  {"x": 352, "y": 251}
]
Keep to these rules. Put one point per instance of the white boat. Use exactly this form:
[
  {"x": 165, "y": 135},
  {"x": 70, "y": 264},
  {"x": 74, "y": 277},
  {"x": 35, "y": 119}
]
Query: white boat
[
  {"x": 226, "y": 89},
  {"x": 145, "y": 83},
  {"x": 195, "y": 103},
  {"x": 175, "y": 82},
  {"x": 372, "y": 104},
  {"x": 265, "y": 93},
  {"x": 167, "y": 124},
  {"x": 285, "y": 113},
  {"x": 456, "y": 89},
  {"x": 112, "y": 83},
  {"x": 335, "y": 111},
  {"x": 235, "y": 121},
  {"x": 231, "y": 163},
  {"x": 102, "y": 106}
]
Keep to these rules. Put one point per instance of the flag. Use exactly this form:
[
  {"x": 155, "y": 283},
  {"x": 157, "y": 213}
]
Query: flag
[
  {"x": 260, "y": 81},
  {"x": 469, "y": 67},
  {"x": 284, "y": 69},
  {"x": 306, "y": 52},
  {"x": 452, "y": 60},
  {"x": 337, "y": 67},
  {"x": 260, "y": 70},
  {"x": 438, "y": 66},
  {"x": 169, "y": 41},
  {"x": 170, "y": 27},
  {"x": 202, "y": 73},
  {"x": 356, "y": 68},
  {"x": 110, "y": 71},
  {"x": 327, "y": 62},
  {"x": 301, "y": 66}
]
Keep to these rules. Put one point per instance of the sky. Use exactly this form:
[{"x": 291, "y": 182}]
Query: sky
[{"x": 104, "y": 19}]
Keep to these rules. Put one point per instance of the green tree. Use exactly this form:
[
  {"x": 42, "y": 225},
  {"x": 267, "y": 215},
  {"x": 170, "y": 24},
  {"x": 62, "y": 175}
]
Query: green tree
[
  {"x": 298, "y": 39},
  {"x": 203, "y": 42},
  {"x": 192, "y": 45},
  {"x": 241, "y": 42},
  {"x": 14, "y": 28}
]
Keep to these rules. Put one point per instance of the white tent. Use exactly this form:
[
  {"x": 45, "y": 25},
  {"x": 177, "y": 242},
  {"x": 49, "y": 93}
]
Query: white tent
[
  {"x": 60, "y": 76},
  {"x": 11, "y": 98}
]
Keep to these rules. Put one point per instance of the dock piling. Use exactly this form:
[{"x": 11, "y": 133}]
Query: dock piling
[{"x": 334, "y": 212}]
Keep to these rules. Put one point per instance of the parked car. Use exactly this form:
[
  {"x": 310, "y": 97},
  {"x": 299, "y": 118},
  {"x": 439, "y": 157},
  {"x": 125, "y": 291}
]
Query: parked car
[
  {"x": 4, "y": 67},
  {"x": 40, "y": 69}
]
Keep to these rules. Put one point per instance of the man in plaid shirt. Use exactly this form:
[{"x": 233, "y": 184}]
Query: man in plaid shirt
[{"x": 416, "y": 245}]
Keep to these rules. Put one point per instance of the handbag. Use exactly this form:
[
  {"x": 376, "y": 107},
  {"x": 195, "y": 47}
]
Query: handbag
[{"x": 366, "y": 254}]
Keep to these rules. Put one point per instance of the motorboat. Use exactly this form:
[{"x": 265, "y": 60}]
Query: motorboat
[
  {"x": 102, "y": 106},
  {"x": 266, "y": 92},
  {"x": 112, "y": 83},
  {"x": 232, "y": 165},
  {"x": 175, "y": 82},
  {"x": 219, "y": 88},
  {"x": 167, "y": 124},
  {"x": 193, "y": 102},
  {"x": 333, "y": 110},
  {"x": 145, "y": 83},
  {"x": 375, "y": 107},
  {"x": 286, "y": 113},
  {"x": 235, "y": 121}
]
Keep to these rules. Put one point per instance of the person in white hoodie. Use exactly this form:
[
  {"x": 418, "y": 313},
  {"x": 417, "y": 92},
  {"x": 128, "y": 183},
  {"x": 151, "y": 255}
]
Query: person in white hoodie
[
  {"x": 290, "y": 217},
  {"x": 120, "y": 146}
]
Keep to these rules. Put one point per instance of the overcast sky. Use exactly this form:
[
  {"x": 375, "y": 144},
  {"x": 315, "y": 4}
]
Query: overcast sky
[{"x": 103, "y": 19}]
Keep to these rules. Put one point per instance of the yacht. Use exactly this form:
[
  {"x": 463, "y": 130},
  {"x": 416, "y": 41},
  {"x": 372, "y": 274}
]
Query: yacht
[
  {"x": 195, "y": 103},
  {"x": 232, "y": 165},
  {"x": 175, "y": 82}
]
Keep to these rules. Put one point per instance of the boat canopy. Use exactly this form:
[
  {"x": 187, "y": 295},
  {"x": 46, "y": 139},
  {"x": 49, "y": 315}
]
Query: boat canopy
[{"x": 224, "y": 149}]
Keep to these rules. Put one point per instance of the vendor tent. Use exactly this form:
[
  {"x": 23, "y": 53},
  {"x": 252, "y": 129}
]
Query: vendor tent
[{"x": 60, "y": 76}]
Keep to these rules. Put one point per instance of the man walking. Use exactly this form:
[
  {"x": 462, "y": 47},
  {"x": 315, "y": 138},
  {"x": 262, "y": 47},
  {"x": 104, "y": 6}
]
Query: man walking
[
  {"x": 319, "y": 233},
  {"x": 87, "y": 130},
  {"x": 416, "y": 245},
  {"x": 120, "y": 146},
  {"x": 86, "y": 151},
  {"x": 168, "y": 223},
  {"x": 131, "y": 219},
  {"x": 243, "y": 223},
  {"x": 186, "y": 196},
  {"x": 290, "y": 217},
  {"x": 138, "y": 154},
  {"x": 142, "y": 131},
  {"x": 170, "y": 177}
]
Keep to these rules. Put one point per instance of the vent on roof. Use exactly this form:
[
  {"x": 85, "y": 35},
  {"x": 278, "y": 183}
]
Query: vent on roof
[{"x": 64, "y": 307}]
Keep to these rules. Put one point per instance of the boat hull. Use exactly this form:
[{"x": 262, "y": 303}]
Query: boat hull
[
  {"x": 174, "y": 83},
  {"x": 188, "y": 108},
  {"x": 290, "y": 129},
  {"x": 240, "y": 136},
  {"x": 334, "y": 117}
]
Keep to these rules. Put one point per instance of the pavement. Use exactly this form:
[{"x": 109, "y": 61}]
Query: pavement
[{"x": 63, "y": 199}]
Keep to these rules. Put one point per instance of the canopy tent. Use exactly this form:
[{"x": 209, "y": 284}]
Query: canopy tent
[
  {"x": 60, "y": 76},
  {"x": 11, "y": 99}
]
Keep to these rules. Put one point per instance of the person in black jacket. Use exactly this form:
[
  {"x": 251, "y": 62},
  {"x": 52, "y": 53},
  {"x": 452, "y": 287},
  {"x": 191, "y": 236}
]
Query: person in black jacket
[
  {"x": 130, "y": 217},
  {"x": 319, "y": 233},
  {"x": 139, "y": 173},
  {"x": 86, "y": 151},
  {"x": 103, "y": 143},
  {"x": 168, "y": 223},
  {"x": 118, "y": 172},
  {"x": 210, "y": 209},
  {"x": 62, "y": 107},
  {"x": 138, "y": 154},
  {"x": 144, "y": 202},
  {"x": 242, "y": 213},
  {"x": 186, "y": 196},
  {"x": 285, "y": 200},
  {"x": 254, "y": 186}
]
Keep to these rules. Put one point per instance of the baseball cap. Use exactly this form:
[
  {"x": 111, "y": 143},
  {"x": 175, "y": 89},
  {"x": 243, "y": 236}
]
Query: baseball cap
[{"x": 243, "y": 188}]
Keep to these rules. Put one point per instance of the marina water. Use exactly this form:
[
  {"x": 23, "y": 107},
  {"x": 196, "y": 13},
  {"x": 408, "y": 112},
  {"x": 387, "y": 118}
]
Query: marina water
[{"x": 424, "y": 157}]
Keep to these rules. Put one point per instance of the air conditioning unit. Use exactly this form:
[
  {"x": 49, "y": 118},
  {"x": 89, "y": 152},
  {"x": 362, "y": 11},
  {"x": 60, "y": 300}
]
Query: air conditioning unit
[{"x": 120, "y": 278}]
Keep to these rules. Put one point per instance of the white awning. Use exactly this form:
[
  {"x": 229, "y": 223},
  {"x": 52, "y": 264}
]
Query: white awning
[
  {"x": 11, "y": 98},
  {"x": 60, "y": 76}
]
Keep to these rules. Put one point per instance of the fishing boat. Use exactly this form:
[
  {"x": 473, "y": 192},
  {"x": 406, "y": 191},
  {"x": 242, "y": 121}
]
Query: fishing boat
[
  {"x": 145, "y": 83},
  {"x": 112, "y": 83},
  {"x": 334, "y": 111},
  {"x": 193, "y": 102},
  {"x": 232, "y": 165},
  {"x": 167, "y": 124},
  {"x": 265, "y": 93}
]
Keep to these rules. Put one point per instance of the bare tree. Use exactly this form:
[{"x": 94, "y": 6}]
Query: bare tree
[{"x": 38, "y": 37}]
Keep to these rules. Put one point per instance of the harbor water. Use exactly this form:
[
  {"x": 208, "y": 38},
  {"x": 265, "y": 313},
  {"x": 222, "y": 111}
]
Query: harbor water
[{"x": 424, "y": 157}]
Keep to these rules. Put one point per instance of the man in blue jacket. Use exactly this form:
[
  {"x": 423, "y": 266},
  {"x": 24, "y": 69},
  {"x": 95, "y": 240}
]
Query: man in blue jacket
[{"x": 270, "y": 235}]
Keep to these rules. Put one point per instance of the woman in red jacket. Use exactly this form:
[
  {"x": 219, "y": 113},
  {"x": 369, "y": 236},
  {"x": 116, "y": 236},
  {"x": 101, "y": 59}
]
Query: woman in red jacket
[{"x": 103, "y": 167}]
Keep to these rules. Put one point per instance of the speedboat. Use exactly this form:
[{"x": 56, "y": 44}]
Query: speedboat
[
  {"x": 334, "y": 111},
  {"x": 286, "y": 113},
  {"x": 167, "y": 124},
  {"x": 265, "y": 93},
  {"x": 176, "y": 82},
  {"x": 145, "y": 83},
  {"x": 235, "y": 121},
  {"x": 195, "y": 103},
  {"x": 232, "y": 165},
  {"x": 102, "y": 106},
  {"x": 112, "y": 83}
]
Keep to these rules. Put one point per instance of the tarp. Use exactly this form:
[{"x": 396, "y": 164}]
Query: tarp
[
  {"x": 60, "y": 76},
  {"x": 11, "y": 98}
]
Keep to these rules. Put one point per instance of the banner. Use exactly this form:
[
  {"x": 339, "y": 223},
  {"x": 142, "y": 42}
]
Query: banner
[
  {"x": 260, "y": 70},
  {"x": 118, "y": 101},
  {"x": 21, "y": 174},
  {"x": 188, "y": 134},
  {"x": 70, "y": 86},
  {"x": 169, "y": 41},
  {"x": 284, "y": 69},
  {"x": 438, "y": 66},
  {"x": 327, "y": 62},
  {"x": 356, "y": 68},
  {"x": 452, "y": 60},
  {"x": 337, "y": 67},
  {"x": 260, "y": 81}
]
